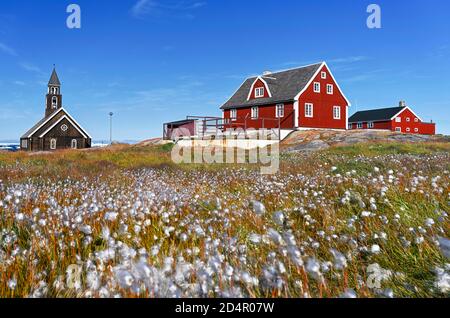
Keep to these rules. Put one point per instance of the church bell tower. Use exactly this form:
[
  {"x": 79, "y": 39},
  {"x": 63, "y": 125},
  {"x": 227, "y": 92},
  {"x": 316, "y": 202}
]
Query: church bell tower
[{"x": 54, "y": 97}]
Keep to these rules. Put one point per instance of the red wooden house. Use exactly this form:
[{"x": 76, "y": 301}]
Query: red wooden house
[
  {"x": 307, "y": 97},
  {"x": 400, "y": 119}
]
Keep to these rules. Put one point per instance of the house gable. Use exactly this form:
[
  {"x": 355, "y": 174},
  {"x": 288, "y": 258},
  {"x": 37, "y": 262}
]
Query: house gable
[
  {"x": 44, "y": 125},
  {"x": 406, "y": 112},
  {"x": 330, "y": 79},
  {"x": 63, "y": 127}
]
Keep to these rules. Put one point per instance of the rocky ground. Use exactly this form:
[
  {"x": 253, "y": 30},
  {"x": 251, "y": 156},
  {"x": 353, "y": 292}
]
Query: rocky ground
[{"x": 313, "y": 140}]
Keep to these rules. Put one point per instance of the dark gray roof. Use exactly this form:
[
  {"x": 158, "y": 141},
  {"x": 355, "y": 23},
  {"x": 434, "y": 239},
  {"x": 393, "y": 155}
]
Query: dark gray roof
[
  {"x": 39, "y": 123},
  {"x": 375, "y": 114},
  {"x": 54, "y": 80},
  {"x": 284, "y": 86},
  {"x": 180, "y": 122}
]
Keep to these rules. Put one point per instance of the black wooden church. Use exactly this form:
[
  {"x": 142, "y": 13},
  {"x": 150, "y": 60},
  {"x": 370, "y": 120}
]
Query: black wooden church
[{"x": 57, "y": 130}]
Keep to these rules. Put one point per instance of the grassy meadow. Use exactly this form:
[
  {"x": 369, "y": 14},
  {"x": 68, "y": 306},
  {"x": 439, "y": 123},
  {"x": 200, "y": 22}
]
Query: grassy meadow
[{"x": 368, "y": 220}]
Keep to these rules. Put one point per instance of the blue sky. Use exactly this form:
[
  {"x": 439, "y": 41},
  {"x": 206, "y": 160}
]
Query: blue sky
[{"x": 152, "y": 61}]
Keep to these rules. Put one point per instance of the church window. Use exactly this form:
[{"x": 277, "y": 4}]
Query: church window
[
  {"x": 64, "y": 127},
  {"x": 53, "y": 143},
  {"x": 54, "y": 101},
  {"x": 74, "y": 144}
]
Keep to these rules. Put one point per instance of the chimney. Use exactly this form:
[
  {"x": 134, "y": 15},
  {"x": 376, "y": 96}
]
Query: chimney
[{"x": 402, "y": 103}]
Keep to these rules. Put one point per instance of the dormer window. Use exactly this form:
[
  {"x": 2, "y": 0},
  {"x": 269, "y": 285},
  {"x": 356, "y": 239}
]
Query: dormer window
[
  {"x": 316, "y": 87},
  {"x": 259, "y": 92}
]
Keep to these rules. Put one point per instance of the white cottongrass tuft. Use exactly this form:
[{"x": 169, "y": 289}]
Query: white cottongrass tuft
[{"x": 258, "y": 207}]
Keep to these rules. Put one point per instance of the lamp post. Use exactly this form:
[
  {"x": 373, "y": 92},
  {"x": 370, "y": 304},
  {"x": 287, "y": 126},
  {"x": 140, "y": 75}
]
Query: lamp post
[{"x": 110, "y": 127}]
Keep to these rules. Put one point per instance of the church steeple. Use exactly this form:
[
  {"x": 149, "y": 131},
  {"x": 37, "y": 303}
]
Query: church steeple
[{"x": 54, "y": 97}]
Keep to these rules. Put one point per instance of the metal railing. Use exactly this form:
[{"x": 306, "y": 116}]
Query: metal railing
[{"x": 208, "y": 126}]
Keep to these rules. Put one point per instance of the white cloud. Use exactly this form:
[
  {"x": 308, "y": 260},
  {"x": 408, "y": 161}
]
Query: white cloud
[
  {"x": 30, "y": 67},
  {"x": 174, "y": 8},
  {"x": 19, "y": 83},
  {"x": 7, "y": 49},
  {"x": 349, "y": 59}
]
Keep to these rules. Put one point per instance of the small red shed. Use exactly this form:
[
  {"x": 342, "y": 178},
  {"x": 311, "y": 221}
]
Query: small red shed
[{"x": 400, "y": 119}]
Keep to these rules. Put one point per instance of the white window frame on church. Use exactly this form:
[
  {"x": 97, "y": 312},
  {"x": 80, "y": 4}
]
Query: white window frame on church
[
  {"x": 54, "y": 101},
  {"x": 53, "y": 143},
  {"x": 24, "y": 143},
  {"x": 74, "y": 144}
]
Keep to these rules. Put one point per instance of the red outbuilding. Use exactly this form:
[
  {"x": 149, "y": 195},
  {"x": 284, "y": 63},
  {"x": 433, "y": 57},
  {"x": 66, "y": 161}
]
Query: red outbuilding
[
  {"x": 399, "y": 119},
  {"x": 306, "y": 97}
]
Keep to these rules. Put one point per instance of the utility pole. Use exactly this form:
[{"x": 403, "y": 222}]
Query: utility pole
[{"x": 110, "y": 127}]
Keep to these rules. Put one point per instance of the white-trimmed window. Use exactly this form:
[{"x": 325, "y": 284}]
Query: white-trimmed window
[
  {"x": 259, "y": 92},
  {"x": 255, "y": 112},
  {"x": 416, "y": 120},
  {"x": 316, "y": 87},
  {"x": 330, "y": 89},
  {"x": 309, "y": 110},
  {"x": 370, "y": 124},
  {"x": 398, "y": 129},
  {"x": 350, "y": 126},
  {"x": 408, "y": 129},
  {"x": 74, "y": 144},
  {"x": 233, "y": 114},
  {"x": 416, "y": 129},
  {"x": 24, "y": 143},
  {"x": 279, "y": 111},
  {"x": 359, "y": 125},
  {"x": 336, "y": 112},
  {"x": 398, "y": 119},
  {"x": 53, "y": 143},
  {"x": 323, "y": 75},
  {"x": 408, "y": 119}
]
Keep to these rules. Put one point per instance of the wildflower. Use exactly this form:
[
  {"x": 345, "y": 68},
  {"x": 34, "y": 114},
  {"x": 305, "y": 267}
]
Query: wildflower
[
  {"x": 340, "y": 262},
  {"x": 275, "y": 237},
  {"x": 419, "y": 240},
  {"x": 349, "y": 293},
  {"x": 12, "y": 283},
  {"x": 255, "y": 238},
  {"x": 295, "y": 255},
  {"x": 313, "y": 268},
  {"x": 444, "y": 245},
  {"x": 278, "y": 218},
  {"x": 442, "y": 282},
  {"x": 365, "y": 214},
  {"x": 124, "y": 278},
  {"x": 375, "y": 249},
  {"x": 111, "y": 216},
  {"x": 258, "y": 207},
  {"x": 86, "y": 229}
]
